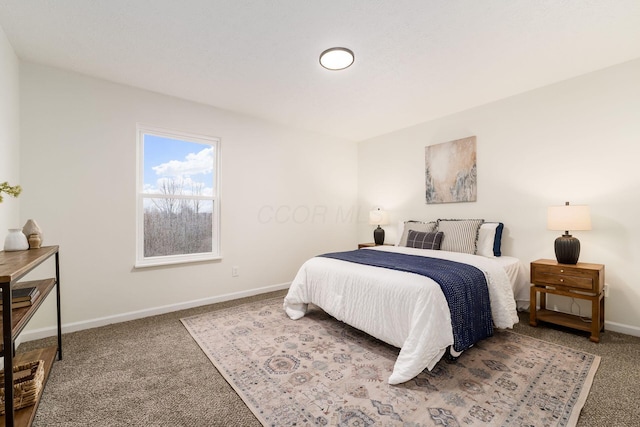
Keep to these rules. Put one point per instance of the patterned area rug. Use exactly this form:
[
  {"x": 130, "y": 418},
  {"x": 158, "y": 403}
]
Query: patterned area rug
[{"x": 319, "y": 371}]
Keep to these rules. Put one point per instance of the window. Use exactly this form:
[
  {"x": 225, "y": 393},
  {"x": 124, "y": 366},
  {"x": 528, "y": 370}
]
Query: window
[{"x": 178, "y": 204}]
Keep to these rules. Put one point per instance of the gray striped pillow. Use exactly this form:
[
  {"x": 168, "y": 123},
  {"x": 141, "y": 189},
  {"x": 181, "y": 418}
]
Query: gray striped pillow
[
  {"x": 417, "y": 239},
  {"x": 425, "y": 227},
  {"x": 460, "y": 235}
]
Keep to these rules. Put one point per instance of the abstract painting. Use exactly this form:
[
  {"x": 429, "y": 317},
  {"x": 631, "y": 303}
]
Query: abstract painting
[{"x": 450, "y": 169}]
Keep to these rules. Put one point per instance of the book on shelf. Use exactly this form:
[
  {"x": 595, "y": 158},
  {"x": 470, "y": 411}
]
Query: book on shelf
[
  {"x": 19, "y": 304},
  {"x": 23, "y": 294}
]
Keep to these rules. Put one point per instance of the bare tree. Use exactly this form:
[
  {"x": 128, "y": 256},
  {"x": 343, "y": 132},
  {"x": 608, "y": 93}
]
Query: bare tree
[
  {"x": 169, "y": 187},
  {"x": 177, "y": 225}
]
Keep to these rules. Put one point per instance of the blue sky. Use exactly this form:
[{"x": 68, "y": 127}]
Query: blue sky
[{"x": 185, "y": 162}]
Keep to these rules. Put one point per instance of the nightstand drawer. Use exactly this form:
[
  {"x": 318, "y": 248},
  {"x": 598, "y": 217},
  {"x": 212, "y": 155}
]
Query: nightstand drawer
[{"x": 562, "y": 276}]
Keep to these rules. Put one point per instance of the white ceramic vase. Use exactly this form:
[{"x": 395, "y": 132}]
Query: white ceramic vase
[{"x": 16, "y": 240}]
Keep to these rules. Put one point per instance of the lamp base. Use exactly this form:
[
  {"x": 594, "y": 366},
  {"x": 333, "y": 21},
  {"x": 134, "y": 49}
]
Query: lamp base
[
  {"x": 378, "y": 236},
  {"x": 567, "y": 249}
]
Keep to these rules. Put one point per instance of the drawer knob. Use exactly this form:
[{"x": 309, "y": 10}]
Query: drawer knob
[
  {"x": 562, "y": 280},
  {"x": 561, "y": 271}
]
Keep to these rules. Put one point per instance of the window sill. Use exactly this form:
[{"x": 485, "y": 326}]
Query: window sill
[{"x": 175, "y": 260}]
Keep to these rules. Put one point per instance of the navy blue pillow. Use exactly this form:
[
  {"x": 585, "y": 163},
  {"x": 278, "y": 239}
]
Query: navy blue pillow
[{"x": 497, "y": 241}]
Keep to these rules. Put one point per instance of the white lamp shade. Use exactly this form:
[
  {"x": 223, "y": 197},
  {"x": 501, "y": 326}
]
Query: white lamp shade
[
  {"x": 378, "y": 217},
  {"x": 569, "y": 217}
]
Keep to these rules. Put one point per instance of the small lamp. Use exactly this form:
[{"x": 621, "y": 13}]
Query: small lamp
[
  {"x": 378, "y": 217},
  {"x": 568, "y": 218}
]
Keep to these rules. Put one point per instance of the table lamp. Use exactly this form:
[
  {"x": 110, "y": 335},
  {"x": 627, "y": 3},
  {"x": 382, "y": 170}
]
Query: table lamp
[
  {"x": 378, "y": 217},
  {"x": 565, "y": 218}
]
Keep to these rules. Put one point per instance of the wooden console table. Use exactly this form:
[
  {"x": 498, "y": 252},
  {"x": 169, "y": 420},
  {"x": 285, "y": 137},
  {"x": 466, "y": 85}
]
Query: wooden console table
[{"x": 13, "y": 267}]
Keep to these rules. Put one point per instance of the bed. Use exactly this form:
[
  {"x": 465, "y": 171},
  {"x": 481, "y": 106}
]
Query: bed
[{"x": 401, "y": 308}]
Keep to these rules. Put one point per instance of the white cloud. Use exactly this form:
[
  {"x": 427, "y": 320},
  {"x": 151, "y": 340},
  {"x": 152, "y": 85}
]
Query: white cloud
[
  {"x": 180, "y": 176},
  {"x": 194, "y": 163}
]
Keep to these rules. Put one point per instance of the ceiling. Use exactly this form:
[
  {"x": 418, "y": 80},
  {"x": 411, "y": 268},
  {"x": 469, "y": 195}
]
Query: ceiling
[{"x": 416, "y": 60}]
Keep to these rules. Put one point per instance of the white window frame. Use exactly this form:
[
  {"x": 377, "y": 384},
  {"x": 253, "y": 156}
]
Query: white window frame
[{"x": 215, "y": 254}]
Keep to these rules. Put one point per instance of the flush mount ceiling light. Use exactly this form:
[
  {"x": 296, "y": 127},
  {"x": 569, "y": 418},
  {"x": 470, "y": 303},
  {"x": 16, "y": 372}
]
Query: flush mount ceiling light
[{"x": 336, "y": 58}]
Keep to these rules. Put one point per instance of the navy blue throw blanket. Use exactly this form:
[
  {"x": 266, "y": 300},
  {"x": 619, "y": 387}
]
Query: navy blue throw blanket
[{"x": 464, "y": 286}]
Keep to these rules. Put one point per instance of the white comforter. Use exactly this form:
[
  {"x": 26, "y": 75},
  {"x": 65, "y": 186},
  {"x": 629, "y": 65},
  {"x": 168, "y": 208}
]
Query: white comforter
[{"x": 405, "y": 310}]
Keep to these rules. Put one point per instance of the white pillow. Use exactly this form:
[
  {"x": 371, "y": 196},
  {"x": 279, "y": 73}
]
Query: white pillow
[
  {"x": 486, "y": 238},
  {"x": 490, "y": 239}
]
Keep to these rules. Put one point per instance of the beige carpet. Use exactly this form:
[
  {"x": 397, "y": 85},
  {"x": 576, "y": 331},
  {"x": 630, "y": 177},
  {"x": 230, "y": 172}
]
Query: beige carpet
[{"x": 318, "y": 371}]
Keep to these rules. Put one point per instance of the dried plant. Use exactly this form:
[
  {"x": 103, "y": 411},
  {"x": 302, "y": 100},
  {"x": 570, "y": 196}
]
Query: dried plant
[{"x": 13, "y": 191}]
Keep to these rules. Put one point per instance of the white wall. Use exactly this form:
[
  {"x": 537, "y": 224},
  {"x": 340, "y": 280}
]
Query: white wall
[
  {"x": 576, "y": 141},
  {"x": 282, "y": 190},
  {"x": 288, "y": 194},
  {"x": 9, "y": 133}
]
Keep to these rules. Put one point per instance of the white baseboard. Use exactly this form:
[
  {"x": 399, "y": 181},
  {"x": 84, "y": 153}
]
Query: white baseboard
[
  {"x": 35, "y": 334},
  {"x": 124, "y": 317},
  {"x": 622, "y": 328}
]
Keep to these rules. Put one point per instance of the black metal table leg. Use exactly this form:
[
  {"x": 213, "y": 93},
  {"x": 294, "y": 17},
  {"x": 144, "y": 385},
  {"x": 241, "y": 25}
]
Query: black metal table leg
[
  {"x": 7, "y": 353},
  {"x": 58, "y": 305}
]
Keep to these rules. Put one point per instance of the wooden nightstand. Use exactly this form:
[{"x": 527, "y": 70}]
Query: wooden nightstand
[
  {"x": 370, "y": 245},
  {"x": 582, "y": 280}
]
